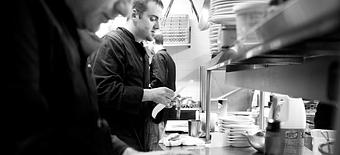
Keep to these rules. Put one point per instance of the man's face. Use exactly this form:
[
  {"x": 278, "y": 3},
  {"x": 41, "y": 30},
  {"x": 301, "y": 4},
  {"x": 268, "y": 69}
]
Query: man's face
[
  {"x": 148, "y": 21},
  {"x": 89, "y": 14}
]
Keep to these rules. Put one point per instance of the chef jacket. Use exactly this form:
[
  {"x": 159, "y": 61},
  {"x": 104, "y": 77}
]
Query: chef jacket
[
  {"x": 121, "y": 71},
  {"x": 163, "y": 70}
]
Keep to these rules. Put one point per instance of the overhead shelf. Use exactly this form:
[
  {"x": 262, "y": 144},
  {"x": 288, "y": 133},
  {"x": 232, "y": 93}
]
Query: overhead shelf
[
  {"x": 303, "y": 28},
  {"x": 316, "y": 78}
]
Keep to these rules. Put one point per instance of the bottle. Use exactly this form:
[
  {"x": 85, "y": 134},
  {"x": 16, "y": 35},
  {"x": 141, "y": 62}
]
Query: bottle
[{"x": 272, "y": 138}]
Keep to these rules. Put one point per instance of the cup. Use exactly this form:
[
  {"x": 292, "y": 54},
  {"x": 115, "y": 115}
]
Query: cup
[
  {"x": 219, "y": 139},
  {"x": 194, "y": 127},
  {"x": 321, "y": 141}
]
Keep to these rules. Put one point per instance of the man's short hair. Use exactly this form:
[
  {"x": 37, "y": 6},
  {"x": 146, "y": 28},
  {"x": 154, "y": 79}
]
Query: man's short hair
[
  {"x": 141, "y": 5},
  {"x": 158, "y": 37}
]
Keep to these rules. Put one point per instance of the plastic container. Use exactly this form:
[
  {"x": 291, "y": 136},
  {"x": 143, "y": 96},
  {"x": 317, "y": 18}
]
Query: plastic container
[
  {"x": 248, "y": 14},
  {"x": 292, "y": 114}
]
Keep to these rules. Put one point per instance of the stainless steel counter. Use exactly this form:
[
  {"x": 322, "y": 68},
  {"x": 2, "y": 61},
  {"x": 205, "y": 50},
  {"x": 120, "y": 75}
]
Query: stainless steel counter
[{"x": 202, "y": 150}]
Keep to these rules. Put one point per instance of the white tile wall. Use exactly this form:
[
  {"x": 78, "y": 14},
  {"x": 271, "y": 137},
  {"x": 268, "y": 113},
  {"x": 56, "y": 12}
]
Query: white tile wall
[{"x": 187, "y": 59}]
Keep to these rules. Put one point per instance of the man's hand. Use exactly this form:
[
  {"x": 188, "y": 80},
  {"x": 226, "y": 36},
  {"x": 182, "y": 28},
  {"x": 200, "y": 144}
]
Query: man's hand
[
  {"x": 160, "y": 95},
  {"x": 184, "y": 152},
  {"x": 130, "y": 151}
]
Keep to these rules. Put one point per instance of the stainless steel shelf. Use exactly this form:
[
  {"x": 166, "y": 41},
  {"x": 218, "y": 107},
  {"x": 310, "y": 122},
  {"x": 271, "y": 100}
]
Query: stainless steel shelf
[
  {"x": 297, "y": 53},
  {"x": 289, "y": 32},
  {"x": 316, "y": 78}
]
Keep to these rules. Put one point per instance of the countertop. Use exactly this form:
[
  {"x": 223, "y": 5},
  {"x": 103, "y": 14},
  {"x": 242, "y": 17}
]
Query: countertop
[
  {"x": 204, "y": 150},
  {"x": 209, "y": 150}
]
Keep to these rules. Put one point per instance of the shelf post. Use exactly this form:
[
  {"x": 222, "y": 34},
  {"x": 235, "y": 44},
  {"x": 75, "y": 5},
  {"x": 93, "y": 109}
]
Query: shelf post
[
  {"x": 207, "y": 105},
  {"x": 261, "y": 111}
]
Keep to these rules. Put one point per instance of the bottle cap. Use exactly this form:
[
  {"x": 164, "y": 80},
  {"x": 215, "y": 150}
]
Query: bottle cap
[{"x": 273, "y": 125}]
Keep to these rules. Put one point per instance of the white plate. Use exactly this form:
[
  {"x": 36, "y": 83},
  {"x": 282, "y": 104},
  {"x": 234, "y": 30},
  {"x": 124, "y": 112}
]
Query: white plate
[
  {"x": 223, "y": 2},
  {"x": 242, "y": 113},
  {"x": 222, "y": 13},
  {"x": 236, "y": 119},
  {"x": 216, "y": 2},
  {"x": 223, "y": 19},
  {"x": 213, "y": 37},
  {"x": 238, "y": 144},
  {"x": 238, "y": 126},
  {"x": 230, "y": 10},
  {"x": 227, "y": 10},
  {"x": 237, "y": 139},
  {"x": 224, "y": 6},
  {"x": 244, "y": 140},
  {"x": 235, "y": 123}
]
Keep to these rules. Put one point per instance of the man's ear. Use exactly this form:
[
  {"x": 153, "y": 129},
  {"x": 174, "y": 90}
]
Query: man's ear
[{"x": 134, "y": 14}]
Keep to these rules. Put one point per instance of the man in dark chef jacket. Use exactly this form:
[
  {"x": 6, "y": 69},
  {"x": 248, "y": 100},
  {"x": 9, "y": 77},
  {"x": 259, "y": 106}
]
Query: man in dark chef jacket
[
  {"x": 162, "y": 74},
  {"x": 163, "y": 67},
  {"x": 47, "y": 92},
  {"x": 121, "y": 71}
]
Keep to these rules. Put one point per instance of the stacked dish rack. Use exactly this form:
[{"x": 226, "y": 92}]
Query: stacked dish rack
[{"x": 176, "y": 30}]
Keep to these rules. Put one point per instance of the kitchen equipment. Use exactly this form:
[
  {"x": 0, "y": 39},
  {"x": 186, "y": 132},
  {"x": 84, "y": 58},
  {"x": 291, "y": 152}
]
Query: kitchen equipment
[
  {"x": 256, "y": 140},
  {"x": 194, "y": 127}
]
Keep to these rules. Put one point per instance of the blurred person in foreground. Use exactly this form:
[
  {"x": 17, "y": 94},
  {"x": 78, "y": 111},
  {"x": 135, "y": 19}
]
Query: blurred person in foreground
[
  {"x": 162, "y": 74},
  {"x": 121, "y": 71},
  {"x": 48, "y": 90}
]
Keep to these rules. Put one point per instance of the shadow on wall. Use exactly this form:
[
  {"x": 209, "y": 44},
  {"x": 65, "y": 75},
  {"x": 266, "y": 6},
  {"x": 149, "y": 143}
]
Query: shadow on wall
[
  {"x": 175, "y": 49},
  {"x": 239, "y": 101},
  {"x": 192, "y": 75}
]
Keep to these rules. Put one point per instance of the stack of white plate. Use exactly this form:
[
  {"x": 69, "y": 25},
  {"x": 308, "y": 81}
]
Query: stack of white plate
[
  {"x": 234, "y": 126},
  {"x": 221, "y": 11},
  {"x": 214, "y": 33}
]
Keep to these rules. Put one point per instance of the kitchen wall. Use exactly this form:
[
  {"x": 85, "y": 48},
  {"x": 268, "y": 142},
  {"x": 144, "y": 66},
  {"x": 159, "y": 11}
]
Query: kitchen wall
[{"x": 189, "y": 59}]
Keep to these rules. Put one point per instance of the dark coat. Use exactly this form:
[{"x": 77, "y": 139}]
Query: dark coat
[
  {"x": 121, "y": 71},
  {"x": 163, "y": 70},
  {"x": 49, "y": 93}
]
